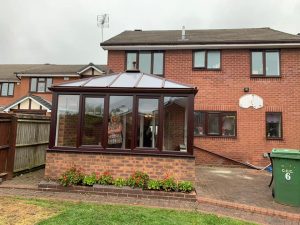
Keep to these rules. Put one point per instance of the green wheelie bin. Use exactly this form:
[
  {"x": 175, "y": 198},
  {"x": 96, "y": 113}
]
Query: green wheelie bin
[{"x": 286, "y": 173}]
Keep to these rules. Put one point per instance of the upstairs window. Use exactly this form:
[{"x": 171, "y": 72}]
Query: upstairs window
[
  {"x": 146, "y": 61},
  {"x": 215, "y": 124},
  {"x": 265, "y": 63},
  {"x": 207, "y": 59},
  {"x": 273, "y": 125},
  {"x": 7, "y": 89},
  {"x": 40, "y": 84}
]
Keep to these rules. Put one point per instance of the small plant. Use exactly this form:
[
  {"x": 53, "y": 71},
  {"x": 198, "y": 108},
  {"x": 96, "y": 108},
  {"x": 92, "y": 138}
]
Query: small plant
[
  {"x": 72, "y": 176},
  {"x": 120, "y": 182},
  {"x": 168, "y": 184},
  {"x": 89, "y": 180},
  {"x": 185, "y": 186},
  {"x": 154, "y": 184},
  {"x": 138, "y": 179},
  {"x": 105, "y": 179}
]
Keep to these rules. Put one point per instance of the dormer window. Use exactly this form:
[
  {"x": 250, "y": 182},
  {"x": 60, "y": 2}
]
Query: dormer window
[
  {"x": 151, "y": 62},
  {"x": 40, "y": 84}
]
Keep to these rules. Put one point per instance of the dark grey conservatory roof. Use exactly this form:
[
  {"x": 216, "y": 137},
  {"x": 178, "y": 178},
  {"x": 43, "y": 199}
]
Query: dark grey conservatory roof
[
  {"x": 211, "y": 36},
  {"x": 128, "y": 79}
]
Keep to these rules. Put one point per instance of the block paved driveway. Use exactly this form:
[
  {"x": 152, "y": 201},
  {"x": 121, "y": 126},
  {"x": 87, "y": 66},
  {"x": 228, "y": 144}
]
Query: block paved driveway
[{"x": 238, "y": 185}]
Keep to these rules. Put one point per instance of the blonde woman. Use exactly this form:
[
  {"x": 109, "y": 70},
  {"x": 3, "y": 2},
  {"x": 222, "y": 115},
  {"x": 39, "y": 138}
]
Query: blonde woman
[{"x": 115, "y": 131}]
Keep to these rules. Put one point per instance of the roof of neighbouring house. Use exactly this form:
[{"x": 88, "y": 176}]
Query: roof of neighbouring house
[
  {"x": 46, "y": 104},
  {"x": 210, "y": 36},
  {"x": 127, "y": 79},
  {"x": 9, "y": 72},
  {"x": 61, "y": 69}
]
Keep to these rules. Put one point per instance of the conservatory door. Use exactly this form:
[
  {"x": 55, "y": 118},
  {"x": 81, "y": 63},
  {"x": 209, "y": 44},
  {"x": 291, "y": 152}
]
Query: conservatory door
[{"x": 147, "y": 123}]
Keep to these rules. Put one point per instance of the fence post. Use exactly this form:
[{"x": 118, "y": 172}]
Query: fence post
[{"x": 12, "y": 144}]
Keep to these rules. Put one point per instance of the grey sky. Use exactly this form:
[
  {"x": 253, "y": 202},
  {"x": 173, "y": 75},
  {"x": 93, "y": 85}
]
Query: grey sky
[{"x": 65, "y": 31}]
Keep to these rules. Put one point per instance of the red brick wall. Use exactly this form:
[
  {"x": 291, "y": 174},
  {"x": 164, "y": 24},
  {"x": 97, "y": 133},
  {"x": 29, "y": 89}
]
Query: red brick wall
[
  {"x": 116, "y": 60},
  {"x": 120, "y": 165},
  {"x": 221, "y": 90}
]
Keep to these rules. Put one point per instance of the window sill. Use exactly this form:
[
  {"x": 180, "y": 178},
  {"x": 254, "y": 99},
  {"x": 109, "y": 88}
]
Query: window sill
[
  {"x": 145, "y": 152},
  {"x": 264, "y": 77},
  {"x": 35, "y": 92},
  {"x": 216, "y": 136},
  {"x": 204, "y": 69},
  {"x": 274, "y": 139},
  {"x": 7, "y": 96}
]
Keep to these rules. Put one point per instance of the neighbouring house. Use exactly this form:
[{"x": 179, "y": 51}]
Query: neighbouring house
[
  {"x": 24, "y": 88},
  {"x": 248, "y": 82},
  {"x": 124, "y": 122}
]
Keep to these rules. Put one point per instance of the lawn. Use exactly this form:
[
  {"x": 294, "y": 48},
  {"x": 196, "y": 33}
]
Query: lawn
[{"x": 45, "y": 212}]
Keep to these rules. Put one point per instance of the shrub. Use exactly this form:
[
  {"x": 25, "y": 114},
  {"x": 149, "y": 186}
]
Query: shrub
[
  {"x": 72, "y": 176},
  {"x": 168, "y": 184},
  {"x": 154, "y": 184},
  {"x": 89, "y": 180},
  {"x": 185, "y": 186},
  {"x": 120, "y": 182},
  {"x": 105, "y": 179},
  {"x": 138, "y": 179}
]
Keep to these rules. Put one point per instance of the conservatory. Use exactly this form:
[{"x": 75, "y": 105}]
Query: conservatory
[{"x": 122, "y": 123}]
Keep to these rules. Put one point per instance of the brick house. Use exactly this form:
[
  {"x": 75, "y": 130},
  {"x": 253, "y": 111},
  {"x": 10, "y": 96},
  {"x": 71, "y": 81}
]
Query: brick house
[
  {"x": 248, "y": 81},
  {"x": 24, "y": 87}
]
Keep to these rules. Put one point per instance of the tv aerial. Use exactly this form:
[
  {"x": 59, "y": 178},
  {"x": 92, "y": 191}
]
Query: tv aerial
[{"x": 103, "y": 22}]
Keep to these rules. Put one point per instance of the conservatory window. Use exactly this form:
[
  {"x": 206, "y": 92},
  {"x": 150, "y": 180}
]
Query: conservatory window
[
  {"x": 120, "y": 122},
  {"x": 92, "y": 131},
  {"x": 67, "y": 120},
  {"x": 175, "y": 123}
]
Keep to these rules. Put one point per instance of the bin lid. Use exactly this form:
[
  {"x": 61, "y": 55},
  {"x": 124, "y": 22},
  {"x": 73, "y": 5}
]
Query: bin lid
[{"x": 285, "y": 153}]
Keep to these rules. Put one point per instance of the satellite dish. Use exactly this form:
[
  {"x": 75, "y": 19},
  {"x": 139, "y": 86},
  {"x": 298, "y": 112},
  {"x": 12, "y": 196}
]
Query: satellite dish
[{"x": 251, "y": 100}]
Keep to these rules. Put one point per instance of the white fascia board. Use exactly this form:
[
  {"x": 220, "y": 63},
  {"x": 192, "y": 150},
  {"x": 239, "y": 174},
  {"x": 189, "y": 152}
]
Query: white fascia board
[
  {"x": 87, "y": 68},
  {"x": 47, "y": 75},
  {"x": 209, "y": 46},
  {"x": 9, "y": 81},
  {"x": 6, "y": 109}
]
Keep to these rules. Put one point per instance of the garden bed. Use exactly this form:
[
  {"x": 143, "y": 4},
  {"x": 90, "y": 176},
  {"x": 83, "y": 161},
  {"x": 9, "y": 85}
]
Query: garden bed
[{"x": 110, "y": 190}]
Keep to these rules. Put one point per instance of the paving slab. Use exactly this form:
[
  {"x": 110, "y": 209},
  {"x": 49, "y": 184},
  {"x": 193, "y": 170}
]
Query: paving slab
[{"x": 238, "y": 185}]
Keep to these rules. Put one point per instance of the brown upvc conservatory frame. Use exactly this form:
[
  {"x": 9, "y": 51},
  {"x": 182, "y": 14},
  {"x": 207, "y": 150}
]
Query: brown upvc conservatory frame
[{"x": 159, "y": 93}]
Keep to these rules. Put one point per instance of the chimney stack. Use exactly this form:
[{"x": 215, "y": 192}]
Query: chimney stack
[{"x": 183, "y": 33}]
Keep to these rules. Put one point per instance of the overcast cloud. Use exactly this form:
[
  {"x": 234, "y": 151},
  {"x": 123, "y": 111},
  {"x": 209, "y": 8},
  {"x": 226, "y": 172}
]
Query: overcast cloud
[{"x": 66, "y": 32}]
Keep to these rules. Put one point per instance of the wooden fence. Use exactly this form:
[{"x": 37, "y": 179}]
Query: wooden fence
[{"x": 23, "y": 142}]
